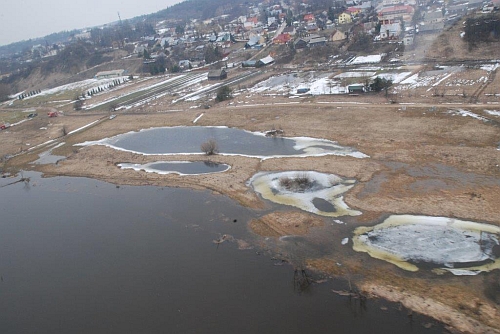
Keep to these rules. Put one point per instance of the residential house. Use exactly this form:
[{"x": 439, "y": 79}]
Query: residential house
[
  {"x": 265, "y": 61},
  {"x": 289, "y": 30},
  {"x": 432, "y": 21},
  {"x": 223, "y": 37},
  {"x": 219, "y": 74},
  {"x": 353, "y": 11},
  {"x": 391, "y": 3},
  {"x": 317, "y": 41},
  {"x": 345, "y": 18},
  {"x": 390, "y": 31},
  {"x": 312, "y": 27},
  {"x": 309, "y": 18},
  {"x": 387, "y": 15},
  {"x": 300, "y": 43},
  {"x": 408, "y": 40},
  {"x": 139, "y": 49},
  {"x": 255, "y": 41},
  {"x": 251, "y": 22},
  {"x": 184, "y": 64},
  {"x": 338, "y": 35},
  {"x": 282, "y": 39}
]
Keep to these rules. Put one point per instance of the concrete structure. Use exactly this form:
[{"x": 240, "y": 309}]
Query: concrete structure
[{"x": 110, "y": 74}]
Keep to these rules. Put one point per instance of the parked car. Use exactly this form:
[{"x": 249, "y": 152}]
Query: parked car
[
  {"x": 32, "y": 115},
  {"x": 4, "y": 126}
]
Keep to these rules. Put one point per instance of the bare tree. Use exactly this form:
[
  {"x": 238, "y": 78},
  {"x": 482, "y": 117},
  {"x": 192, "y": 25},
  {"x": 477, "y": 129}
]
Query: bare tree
[{"x": 210, "y": 147}]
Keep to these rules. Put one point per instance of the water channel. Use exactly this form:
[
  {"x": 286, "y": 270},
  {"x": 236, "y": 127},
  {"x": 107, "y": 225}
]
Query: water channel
[{"x": 84, "y": 256}]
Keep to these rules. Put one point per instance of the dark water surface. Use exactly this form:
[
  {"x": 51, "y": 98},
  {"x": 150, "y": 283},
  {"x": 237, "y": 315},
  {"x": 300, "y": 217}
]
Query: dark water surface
[
  {"x": 187, "y": 140},
  {"x": 84, "y": 256},
  {"x": 179, "y": 167}
]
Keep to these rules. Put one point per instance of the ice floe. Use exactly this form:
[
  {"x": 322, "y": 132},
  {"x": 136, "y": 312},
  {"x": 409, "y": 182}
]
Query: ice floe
[{"x": 410, "y": 242}]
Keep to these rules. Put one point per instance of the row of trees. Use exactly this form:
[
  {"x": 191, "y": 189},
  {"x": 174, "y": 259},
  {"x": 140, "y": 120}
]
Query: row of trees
[
  {"x": 99, "y": 89},
  {"x": 4, "y": 92},
  {"x": 485, "y": 28},
  {"x": 107, "y": 36}
]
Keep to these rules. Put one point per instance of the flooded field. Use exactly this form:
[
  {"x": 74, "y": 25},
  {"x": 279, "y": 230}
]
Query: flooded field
[
  {"x": 230, "y": 141},
  {"x": 79, "y": 255}
]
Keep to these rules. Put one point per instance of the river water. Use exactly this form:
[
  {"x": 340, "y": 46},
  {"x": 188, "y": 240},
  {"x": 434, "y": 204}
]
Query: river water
[{"x": 84, "y": 256}]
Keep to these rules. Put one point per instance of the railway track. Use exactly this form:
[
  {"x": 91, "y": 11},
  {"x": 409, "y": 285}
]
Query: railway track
[
  {"x": 169, "y": 86},
  {"x": 213, "y": 88}
]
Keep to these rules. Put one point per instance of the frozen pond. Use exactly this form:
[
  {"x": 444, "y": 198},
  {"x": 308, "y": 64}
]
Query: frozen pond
[
  {"x": 461, "y": 247},
  {"x": 187, "y": 140},
  {"x": 178, "y": 167},
  {"x": 314, "y": 192}
]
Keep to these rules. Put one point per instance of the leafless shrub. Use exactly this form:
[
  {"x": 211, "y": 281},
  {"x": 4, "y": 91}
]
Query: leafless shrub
[
  {"x": 297, "y": 183},
  {"x": 210, "y": 147}
]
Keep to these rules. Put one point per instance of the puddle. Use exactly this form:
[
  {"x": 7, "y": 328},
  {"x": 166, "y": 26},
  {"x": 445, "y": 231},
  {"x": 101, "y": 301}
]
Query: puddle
[
  {"x": 446, "y": 244},
  {"x": 178, "y": 167},
  {"x": 314, "y": 192},
  {"x": 187, "y": 140},
  {"x": 323, "y": 205},
  {"x": 47, "y": 157}
]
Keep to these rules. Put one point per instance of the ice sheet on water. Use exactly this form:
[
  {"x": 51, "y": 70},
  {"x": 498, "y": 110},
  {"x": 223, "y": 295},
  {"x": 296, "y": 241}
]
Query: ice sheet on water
[
  {"x": 442, "y": 241},
  {"x": 327, "y": 187}
]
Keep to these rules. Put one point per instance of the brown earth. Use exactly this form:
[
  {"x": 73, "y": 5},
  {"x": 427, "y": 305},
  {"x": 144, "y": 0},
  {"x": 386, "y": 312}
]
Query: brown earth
[
  {"x": 421, "y": 162},
  {"x": 278, "y": 224}
]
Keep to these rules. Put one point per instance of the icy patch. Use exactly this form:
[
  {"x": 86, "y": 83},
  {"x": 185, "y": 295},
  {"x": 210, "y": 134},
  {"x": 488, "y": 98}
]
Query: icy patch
[
  {"x": 178, "y": 167},
  {"x": 197, "y": 118},
  {"x": 355, "y": 75},
  {"x": 372, "y": 59},
  {"x": 345, "y": 241},
  {"x": 458, "y": 246},
  {"x": 315, "y": 83},
  {"x": 466, "y": 113},
  {"x": 321, "y": 147},
  {"x": 492, "y": 112},
  {"x": 490, "y": 68},
  {"x": 83, "y": 85},
  {"x": 83, "y": 127},
  {"x": 320, "y": 193}
]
